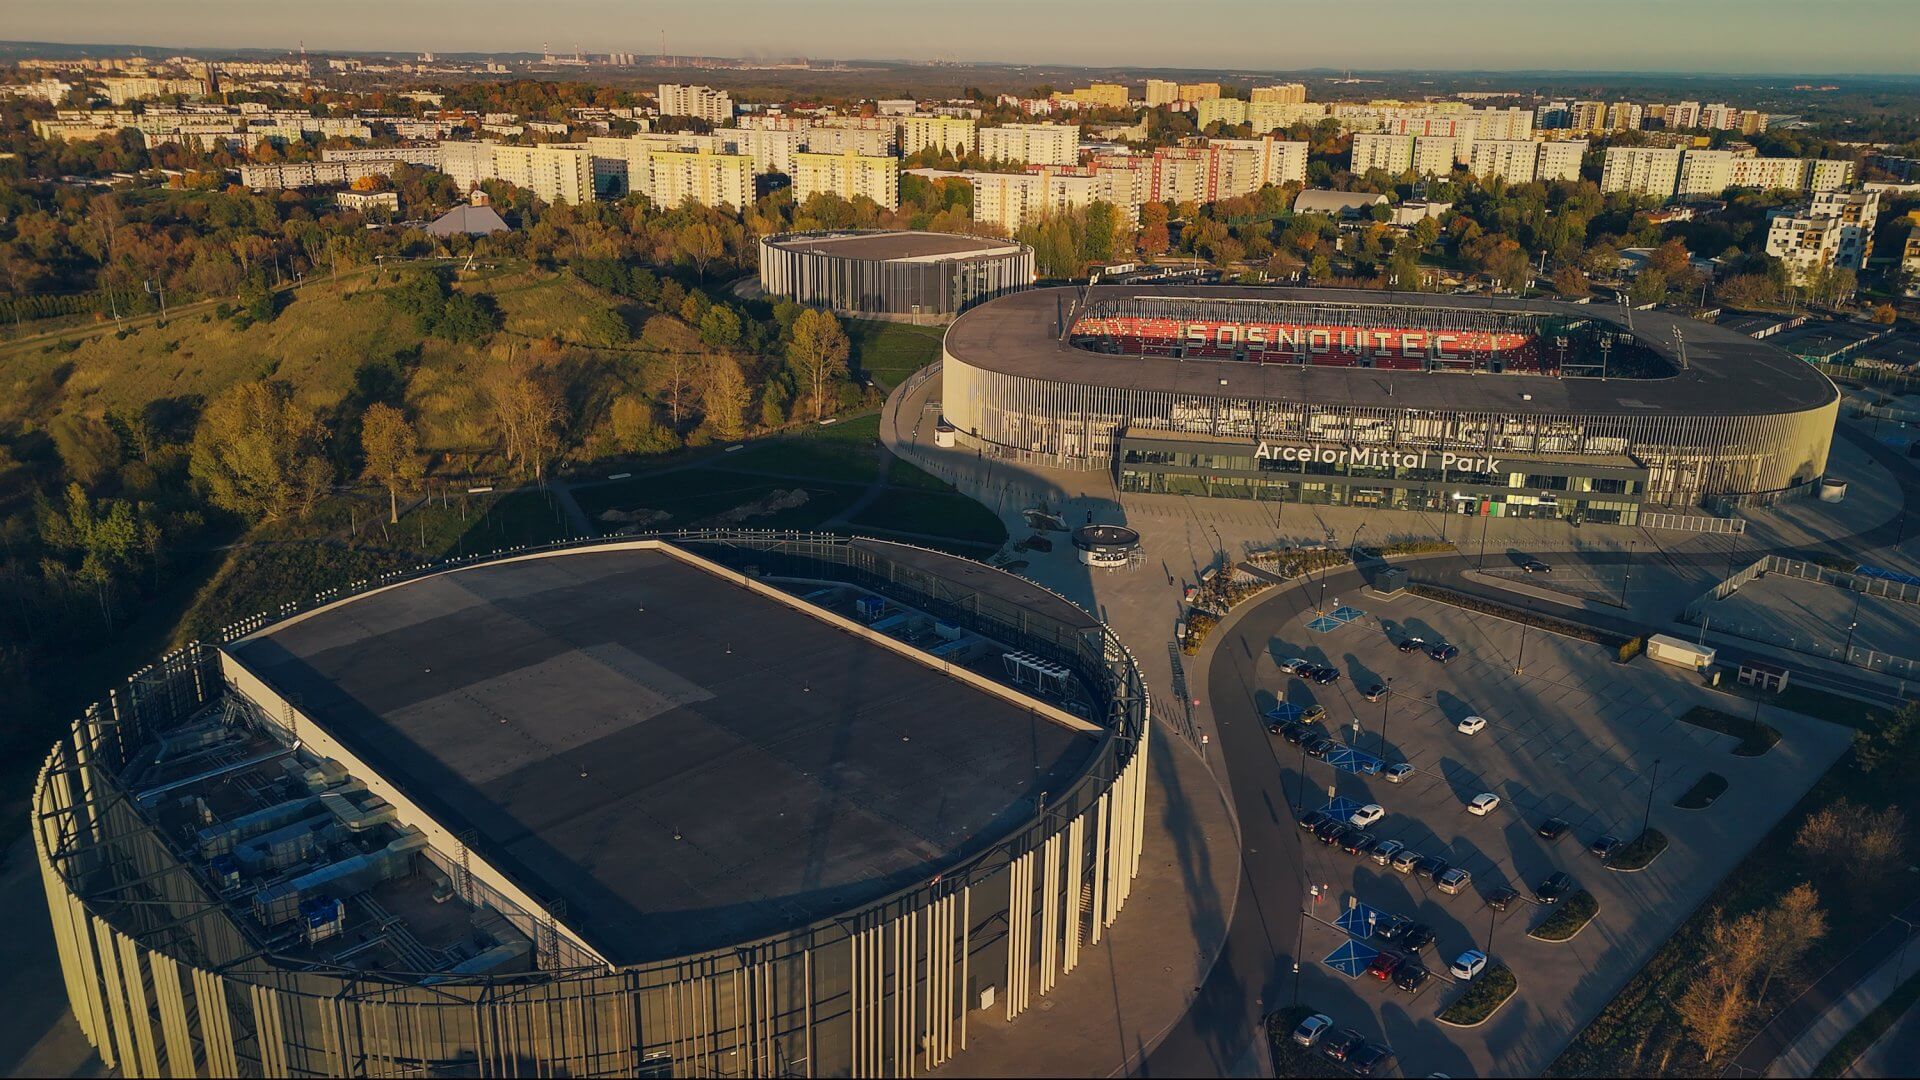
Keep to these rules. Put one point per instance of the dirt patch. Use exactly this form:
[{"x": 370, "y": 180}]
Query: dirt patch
[{"x": 775, "y": 501}]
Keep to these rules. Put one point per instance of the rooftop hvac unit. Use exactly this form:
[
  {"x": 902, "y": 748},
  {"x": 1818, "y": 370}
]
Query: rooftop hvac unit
[{"x": 1042, "y": 675}]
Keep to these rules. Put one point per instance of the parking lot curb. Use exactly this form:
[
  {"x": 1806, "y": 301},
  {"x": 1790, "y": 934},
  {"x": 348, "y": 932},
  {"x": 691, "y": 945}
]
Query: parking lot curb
[{"x": 1496, "y": 1009}]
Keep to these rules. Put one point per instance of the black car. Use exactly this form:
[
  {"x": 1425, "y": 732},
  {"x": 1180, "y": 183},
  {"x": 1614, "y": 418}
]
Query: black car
[
  {"x": 1330, "y": 831},
  {"x": 1413, "y": 643},
  {"x": 1553, "y": 828},
  {"x": 1431, "y": 867},
  {"x": 1555, "y": 888},
  {"x": 1297, "y": 733},
  {"x": 1604, "y": 847},
  {"x": 1502, "y": 898},
  {"x": 1340, "y": 1047},
  {"x": 1411, "y": 977},
  {"x": 1325, "y": 675},
  {"x": 1368, "y": 1058},
  {"x": 1416, "y": 937},
  {"x": 1319, "y": 746},
  {"x": 1444, "y": 653},
  {"x": 1535, "y": 566},
  {"x": 1311, "y": 819},
  {"x": 1391, "y": 927},
  {"x": 1376, "y": 691},
  {"x": 1356, "y": 842}
]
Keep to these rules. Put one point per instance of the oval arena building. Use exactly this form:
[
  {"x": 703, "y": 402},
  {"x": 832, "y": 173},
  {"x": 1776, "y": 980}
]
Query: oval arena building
[
  {"x": 1530, "y": 408},
  {"x": 908, "y": 276},
  {"x": 726, "y": 804}
]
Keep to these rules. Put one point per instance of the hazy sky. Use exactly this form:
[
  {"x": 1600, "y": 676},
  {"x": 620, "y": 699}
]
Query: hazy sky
[{"x": 1771, "y": 36}]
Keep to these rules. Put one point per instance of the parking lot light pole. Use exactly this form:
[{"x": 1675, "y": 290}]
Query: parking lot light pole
[
  {"x": 1385, "y": 715},
  {"x": 1520, "y": 661},
  {"x": 1493, "y": 915},
  {"x": 1299, "y": 942},
  {"x": 1626, "y": 574},
  {"x": 1485, "y": 520},
  {"x": 1646, "y": 819},
  {"x": 1300, "y": 801}
]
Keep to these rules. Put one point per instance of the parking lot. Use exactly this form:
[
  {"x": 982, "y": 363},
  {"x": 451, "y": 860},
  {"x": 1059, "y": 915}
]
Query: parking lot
[{"x": 1574, "y": 735}]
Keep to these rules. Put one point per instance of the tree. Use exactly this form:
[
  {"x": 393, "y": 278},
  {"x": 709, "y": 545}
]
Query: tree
[
  {"x": 720, "y": 327},
  {"x": 632, "y": 427},
  {"x": 1570, "y": 281},
  {"x": 724, "y": 393},
  {"x": 392, "y": 451},
  {"x": 702, "y": 243},
  {"x": 258, "y": 452},
  {"x": 89, "y": 449},
  {"x": 818, "y": 354},
  {"x": 528, "y": 414},
  {"x": 1792, "y": 927},
  {"x": 1843, "y": 838},
  {"x": 608, "y": 327},
  {"x": 1715, "y": 1008}
]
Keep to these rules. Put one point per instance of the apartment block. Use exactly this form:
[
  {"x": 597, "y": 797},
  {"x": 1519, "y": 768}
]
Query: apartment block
[
  {"x": 771, "y": 151},
  {"x": 1643, "y": 170},
  {"x": 1280, "y": 93},
  {"x": 426, "y": 157},
  {"x": 1012, "y": 200},
  {"x": 1625, "y": 116},
  {"x": 1204, "y": 91},
  {"x": 1034, "y": 144},
  {"x": 848, "y": 175},
  {"x": 1264, "y": 116},
  {"x": 1426, "y": 155},
  {"x": 864, "y": 142},
  {"x": 467, "y": 163},
  {"x": 704, "y": 102},
  {"x": 1503, "y": 124},
  {"x": 677, "y": 177},
  {"x": 1834, "y": 230},
  {"x": 1162, "y": 92},
  {"x": 1560, "y": 160},
  {"x": 303, "y": 174},
  {"x": 1247, "y": 165},
  {"x": 1856, "y": 212},
  {"x": 952, "y": 134},
  {"x": 1515, "y": 161},
  {"x": 556, "y": 172},
  {"x": 1098, "y": 95}
]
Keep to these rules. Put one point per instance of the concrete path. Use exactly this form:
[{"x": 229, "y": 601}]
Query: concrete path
[
  {"x": 1894, "y": 1053},
  {"x": 1802, "y": 1033}
]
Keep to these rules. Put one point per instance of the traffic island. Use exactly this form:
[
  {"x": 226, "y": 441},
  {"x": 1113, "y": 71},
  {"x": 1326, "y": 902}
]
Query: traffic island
[
  {"x": 1484, "y": 997},
  {"x": 1703, "y": 792},
  {"x": 1569, "y": 917},
  {"x": 1639, "y": 853},
  {"x": 1755, "y": 737}
]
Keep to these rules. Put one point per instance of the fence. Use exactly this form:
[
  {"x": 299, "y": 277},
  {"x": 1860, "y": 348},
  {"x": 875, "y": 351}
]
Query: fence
[
  {"x": 1865, "y": 583},
  {"x": 1870, "y": 376},
  {"x": 1696, "y": 523}
]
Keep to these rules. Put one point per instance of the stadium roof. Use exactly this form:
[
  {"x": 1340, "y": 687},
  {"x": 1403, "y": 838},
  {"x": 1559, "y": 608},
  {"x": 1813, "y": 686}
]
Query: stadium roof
[
  {"x": 917, "y": 246},
  {"x": 686, "y": 764},
  {"x": 1728, "y": 373}
]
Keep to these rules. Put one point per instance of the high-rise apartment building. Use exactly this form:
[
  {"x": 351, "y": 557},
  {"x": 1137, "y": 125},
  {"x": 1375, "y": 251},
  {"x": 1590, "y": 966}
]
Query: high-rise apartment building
[
  {"x": 1098, "y": 95},
  {"x": 1643, "y": 170},
  {"x": 676, "y": 177},
  {"x": 1034, "y": 144},
  {"x": 1834, "y": 230},
  {"x": 771, "y": 150},
  {"x": 1587, "y": 117},
  {"x": 1203, "y": 91},
  {"x": 1426, "y": 155},
  {"x": 556, "y": 172},
  {"x": 704, "y": 102},
  {"x": 1162, "y": 92},
  {"x": 848, "y": 175},
  {"x": 953, "y": 134},
  {"x": 1514, "y": 161},
  {"x": 1560, "y": 160},
  {"x": 1264, "y": 116},
  {"x": 1012, "y": 200},
  {"x": 836, "y": 139},
  {"x": 1684, "y": 116},
  {"x": 1280, "y": 93}
]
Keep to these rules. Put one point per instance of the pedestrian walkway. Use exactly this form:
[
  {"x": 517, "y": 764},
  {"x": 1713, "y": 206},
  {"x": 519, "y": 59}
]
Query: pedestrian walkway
[{"x": 1843, "y": 1014}]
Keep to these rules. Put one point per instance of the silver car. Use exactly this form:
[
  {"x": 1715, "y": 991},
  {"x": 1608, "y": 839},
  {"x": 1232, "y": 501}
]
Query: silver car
[{"x": 1384, "y": 852}]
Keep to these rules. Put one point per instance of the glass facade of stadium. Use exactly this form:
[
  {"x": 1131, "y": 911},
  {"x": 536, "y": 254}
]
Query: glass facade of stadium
[
  {"x": 165, "y": 982},
  {"x": 1549, "y": 464}
]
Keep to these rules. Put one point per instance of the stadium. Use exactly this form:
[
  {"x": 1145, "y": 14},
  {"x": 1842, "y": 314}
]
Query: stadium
[
  {"x": 1472, "y": 405},
  {"x": 739, "y": 804},
  {"x": 906, "y": 276}
]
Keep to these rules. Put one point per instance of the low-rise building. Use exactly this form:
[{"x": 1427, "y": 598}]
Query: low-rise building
[{"x": 368, "y": 200}]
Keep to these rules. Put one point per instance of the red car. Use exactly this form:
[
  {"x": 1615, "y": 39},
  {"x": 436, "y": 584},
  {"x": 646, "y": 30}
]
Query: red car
[{"x": 1384, "y": 965}]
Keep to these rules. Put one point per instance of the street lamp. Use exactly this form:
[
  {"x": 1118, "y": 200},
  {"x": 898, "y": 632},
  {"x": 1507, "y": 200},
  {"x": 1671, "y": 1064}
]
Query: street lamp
[
  {"x": 1485, "y": 519},
  {"x": 1385, "y": 715},
  {"x": 1646, "y": 819},
  {"x": 1299, "y": 942},
  {"x": 1520, "y": 661},
  {"x": 1853, "y": 623},
  {"x": 1626, "y": 574}
]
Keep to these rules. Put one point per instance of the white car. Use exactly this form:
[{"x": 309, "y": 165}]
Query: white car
[
  {"x": 1471, "y": 725},
  {"x": 1469, "y": 965},
  {"x": 1398, "y": 773},
  {"x": 1367, "y": 815},
  {"x": 1312, "y": 1028},
  {"x": 1484, "y": 803},
  {"x": 1296, "y": 666}
]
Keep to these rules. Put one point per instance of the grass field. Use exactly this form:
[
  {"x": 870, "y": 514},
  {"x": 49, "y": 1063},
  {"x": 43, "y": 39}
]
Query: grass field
[
  {"x": 889, "y": 352},
  {"x": 932, "y": 513}
]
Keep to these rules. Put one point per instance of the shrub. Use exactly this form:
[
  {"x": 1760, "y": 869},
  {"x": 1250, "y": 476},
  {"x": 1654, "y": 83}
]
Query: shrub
[
  {"x": 1639, "y": 853},
  {"x": 1632, "y": 647},
  {"x": 1199, "y": 625},
  {"x": 1490, "y": 991},
  {"x": 1569, "y": 917}
]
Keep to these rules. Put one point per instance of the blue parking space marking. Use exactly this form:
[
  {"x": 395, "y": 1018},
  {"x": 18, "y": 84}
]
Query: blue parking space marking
[
  {"x": 1342, "y": 808},
  {"x": 1357, "y": 762},
  {"x": 1324, "y": 623},
  {"x": 1347, "y": 614},
  {"x": 1360, "y": 920},
  {"x": 1351, "y": 959},
  {"x": 1286, "y": 711}
]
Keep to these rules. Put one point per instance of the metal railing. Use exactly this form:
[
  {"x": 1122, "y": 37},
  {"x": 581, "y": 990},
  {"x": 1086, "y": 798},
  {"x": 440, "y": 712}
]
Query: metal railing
[{"x": 1837, "y": 645}]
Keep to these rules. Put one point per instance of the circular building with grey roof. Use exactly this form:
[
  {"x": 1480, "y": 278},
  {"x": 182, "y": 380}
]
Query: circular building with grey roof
[
  {"x": 906, "y": 276},
  {"x": 723, "y": 804},
  {"x": 1449, "y": 404}
]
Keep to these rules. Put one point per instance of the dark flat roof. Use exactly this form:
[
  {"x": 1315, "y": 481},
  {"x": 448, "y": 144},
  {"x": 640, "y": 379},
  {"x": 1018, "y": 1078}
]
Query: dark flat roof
[
  {"x": 892, "y": 245},
  {"x": 1728, "y": 373},
  {"x": 807, "y": 771}
]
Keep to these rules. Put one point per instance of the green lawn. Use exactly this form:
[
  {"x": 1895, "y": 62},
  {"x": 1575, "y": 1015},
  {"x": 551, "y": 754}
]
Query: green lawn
[
  {"x": 692, "y": 497},
  {"x": 1569, "y": 917},
  {"x": 846, "y": 452},
  {"x": 955, "y": 516},
  {"x": 1488, "y": 992},
  {"x": 1640, "y": 851},
  {"x": 889, "y": 352},
  {"x": 1855, "y": 1042}
]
